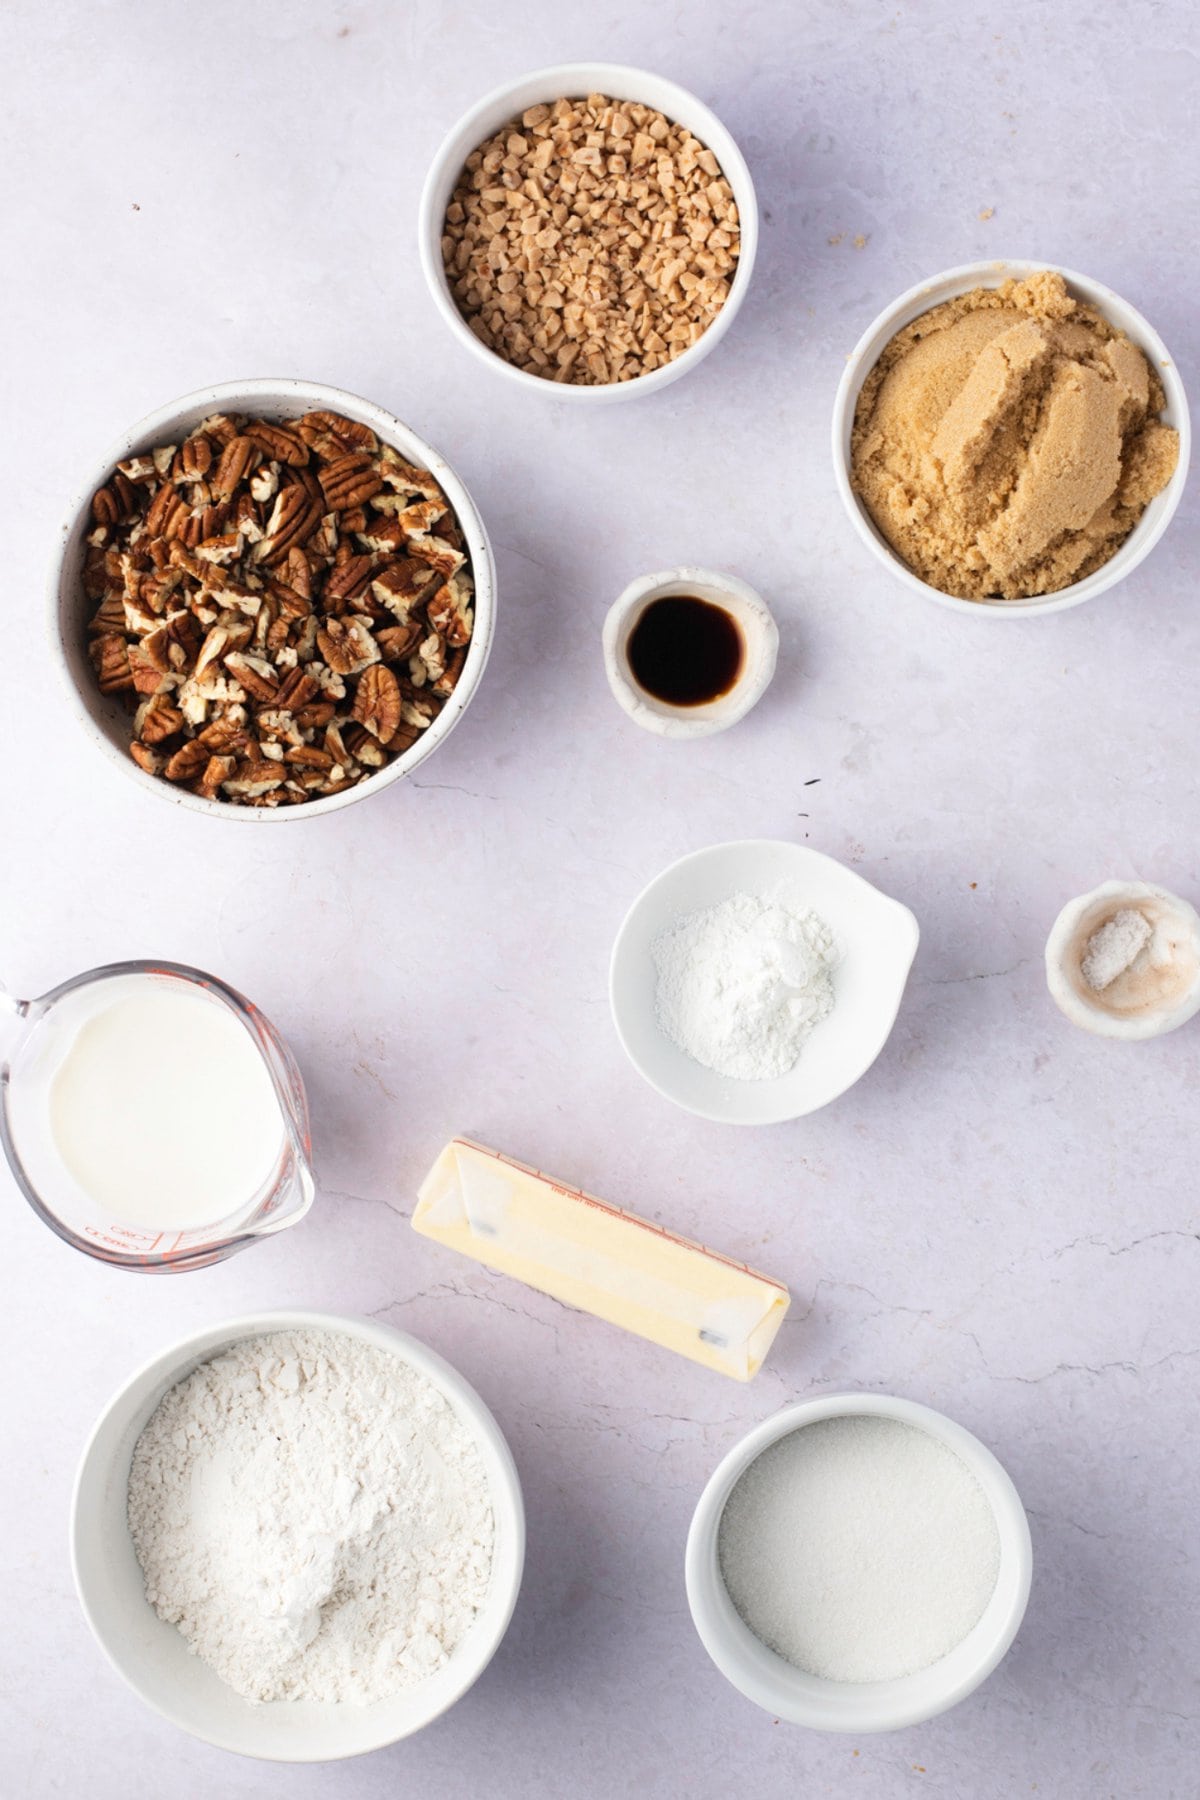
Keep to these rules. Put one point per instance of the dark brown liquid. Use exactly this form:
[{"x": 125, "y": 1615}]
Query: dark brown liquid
[{"x": 685, "y": 650}]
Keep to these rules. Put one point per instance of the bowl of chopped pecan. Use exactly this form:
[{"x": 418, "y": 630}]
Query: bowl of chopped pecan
[
  {"x": 272, "y": 599},
  {"x": 590, "y": 229}
]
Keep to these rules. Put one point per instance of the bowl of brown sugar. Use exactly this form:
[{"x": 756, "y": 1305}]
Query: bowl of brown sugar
[
  {"x": 590, "y": 230},
  {"x": 1010, "y": 438}
]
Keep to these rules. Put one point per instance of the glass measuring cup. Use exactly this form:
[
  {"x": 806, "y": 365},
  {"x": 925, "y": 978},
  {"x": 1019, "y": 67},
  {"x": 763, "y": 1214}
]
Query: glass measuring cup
[{"x": 33, "y": 1039}]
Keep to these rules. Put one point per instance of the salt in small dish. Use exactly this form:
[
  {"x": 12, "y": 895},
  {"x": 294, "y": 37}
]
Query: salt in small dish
[
  {"x": 1158, "y": 992},
  {"x": 752, "y": 619},
  {"x": 877, "y": 939}
]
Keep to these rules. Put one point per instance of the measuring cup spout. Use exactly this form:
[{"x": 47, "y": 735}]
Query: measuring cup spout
[{"x": 12, "y": 1024}]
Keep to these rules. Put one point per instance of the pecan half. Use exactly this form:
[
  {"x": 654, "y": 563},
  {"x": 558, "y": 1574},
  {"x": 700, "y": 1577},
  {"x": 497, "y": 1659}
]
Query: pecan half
[{"x": 377, "y": 702}]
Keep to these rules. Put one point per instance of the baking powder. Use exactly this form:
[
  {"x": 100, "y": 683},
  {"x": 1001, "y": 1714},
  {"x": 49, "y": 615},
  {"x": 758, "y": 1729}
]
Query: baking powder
[
  {"x": 314, "y": 1516},
  {"x": 742, "y": 985},
  {"x": 859, "y": 1548}
]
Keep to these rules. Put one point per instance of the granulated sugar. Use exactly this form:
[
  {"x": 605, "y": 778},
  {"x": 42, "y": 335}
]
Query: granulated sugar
[{"x": 859, "y": 1548}]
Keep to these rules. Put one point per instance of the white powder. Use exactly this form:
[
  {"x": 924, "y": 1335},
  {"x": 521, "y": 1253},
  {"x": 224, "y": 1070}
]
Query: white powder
[
  {"x": 1115, "y": 947},
  {"x": 742, "y": 985},
  {"x": 859, "y": 1548},
  {"x": 314, "y": 1517}
]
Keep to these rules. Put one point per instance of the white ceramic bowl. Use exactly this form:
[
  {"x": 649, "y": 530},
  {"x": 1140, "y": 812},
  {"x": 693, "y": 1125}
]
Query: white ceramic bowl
[
  {"x": 878, "y": 937},
  {"x": 570, "y": 81},
  {"x": 948, "y": 286},
  {"x": 787, "y": 1692},
  {"x": 1133, "y": 1007},
  {"x": 760, "y": 639},
  {"x": 153, "y": 1657},
  {"x": 105, "y": 719}
]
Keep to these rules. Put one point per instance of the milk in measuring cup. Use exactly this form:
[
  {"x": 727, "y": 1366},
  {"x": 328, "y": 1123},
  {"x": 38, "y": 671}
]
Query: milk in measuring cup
[{"x": 161, "y": 1107}]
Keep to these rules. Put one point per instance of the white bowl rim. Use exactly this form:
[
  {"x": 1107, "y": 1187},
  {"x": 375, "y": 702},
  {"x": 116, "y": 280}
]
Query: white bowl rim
[
  {"x": 187, "y": 1352},
  {"x": 1012, "y": 1525},
  {"x": 565, "y": 80},
  {"x": 753, "y": 616},
  {"x": 933, "y": 291},
  {"x": 314, "y": 396},
  {"x": 806, "y": 851}
]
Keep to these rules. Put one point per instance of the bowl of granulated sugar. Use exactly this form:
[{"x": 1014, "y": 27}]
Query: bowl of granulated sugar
[{"x": 858, "y": 1563}]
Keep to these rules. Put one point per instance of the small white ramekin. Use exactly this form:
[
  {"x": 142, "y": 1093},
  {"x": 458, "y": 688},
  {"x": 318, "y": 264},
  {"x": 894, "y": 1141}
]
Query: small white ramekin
[
  {"x": 104, "y": 718},
  {"x": 154, "y": 1658},
  {"x": 571, "y": 81},
  {"x": 948, "y": 286},
  {"x": 1175, "y": 921},
  {"x": 760, "y": 639},
  {"x": 787, "y": 1692}
]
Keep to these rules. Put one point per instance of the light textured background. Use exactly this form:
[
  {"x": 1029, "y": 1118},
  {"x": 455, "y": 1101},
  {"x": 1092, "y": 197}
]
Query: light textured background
[{"x": 1000, "y": 1219}]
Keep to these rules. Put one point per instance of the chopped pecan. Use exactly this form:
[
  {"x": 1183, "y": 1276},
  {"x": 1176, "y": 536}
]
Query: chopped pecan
[
  {"x": 168, "y": 512},
  {"x": 255, "y": 674},
  {"x": 159, "y": 720},
  {"x": 294, "y": 518},
  {"x": 217, "y": 771},
  {"x": 396, "y": 641},
  {"x": 152, "y": 761},
  {"x": 239, "y": 458},
  {"x": 195, "y": 457},
  {"x": 296, "y": 690},
  {"x": 348, "y": 578},
  {"x": 278, "y": 441},
  {"x": 223, "y": 735},
  {"x": 147, "y": 673},
  {"x": 347, "y": 645},
  {"x": 377, "y": 702},
  {"x": 449, "y": 613},
  {"x": 110, "y": 659},
  {"x": 329, "y": 434},
  {"x": 105, "y": 510},
  {"x": 187, "y": 761},
  {"x": 350, "y": 481}
]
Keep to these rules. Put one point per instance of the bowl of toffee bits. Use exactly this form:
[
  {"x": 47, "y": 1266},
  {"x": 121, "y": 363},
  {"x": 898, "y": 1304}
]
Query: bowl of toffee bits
[
  {"x": 273, "y": 599},
  {"x": 591, "y": 228}
]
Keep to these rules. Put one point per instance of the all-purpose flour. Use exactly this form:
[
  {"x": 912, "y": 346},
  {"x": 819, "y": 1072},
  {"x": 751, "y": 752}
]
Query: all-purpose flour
[
  {"x": 741, "y": 985},
  {"x": 314, "y": 1517}
]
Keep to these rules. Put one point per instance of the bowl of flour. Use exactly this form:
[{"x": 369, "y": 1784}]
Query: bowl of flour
[
  {"x": 754, "y": 982},
  {"x": 298, "y": 1536}
]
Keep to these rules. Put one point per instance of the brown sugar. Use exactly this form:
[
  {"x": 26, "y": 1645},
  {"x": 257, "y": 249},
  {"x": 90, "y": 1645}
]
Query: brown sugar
[{"x": 1008, "y": 441}]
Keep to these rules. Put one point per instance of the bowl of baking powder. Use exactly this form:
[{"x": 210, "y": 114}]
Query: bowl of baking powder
[
  {"x": 298, "y": 1536},
  {"x": 735, "y": 957}
]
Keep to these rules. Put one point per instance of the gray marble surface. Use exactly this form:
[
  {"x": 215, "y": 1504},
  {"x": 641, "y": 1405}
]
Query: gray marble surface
[{"x": 1000, "y": 1219}]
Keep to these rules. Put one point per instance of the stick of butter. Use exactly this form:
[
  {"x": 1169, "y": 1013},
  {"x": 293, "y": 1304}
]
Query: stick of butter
[{"x": 609, "y": 1262}]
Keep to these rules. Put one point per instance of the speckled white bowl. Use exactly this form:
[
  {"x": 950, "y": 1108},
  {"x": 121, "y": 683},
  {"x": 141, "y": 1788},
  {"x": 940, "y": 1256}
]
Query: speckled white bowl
[
  {"x": 569, "y": 81},
  {"x": 788, "y": 1692},
  {"x": 103, "y": 717},
  {"x": 153, "y": 1657},
  {"x": 1115, "y": 1011},
  {"x": 760, "y": 640},
  {"x": 948, "y": 286}
]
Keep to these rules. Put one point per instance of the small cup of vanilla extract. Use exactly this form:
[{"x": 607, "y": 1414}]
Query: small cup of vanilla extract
[{"x": 689, "y": 651}]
